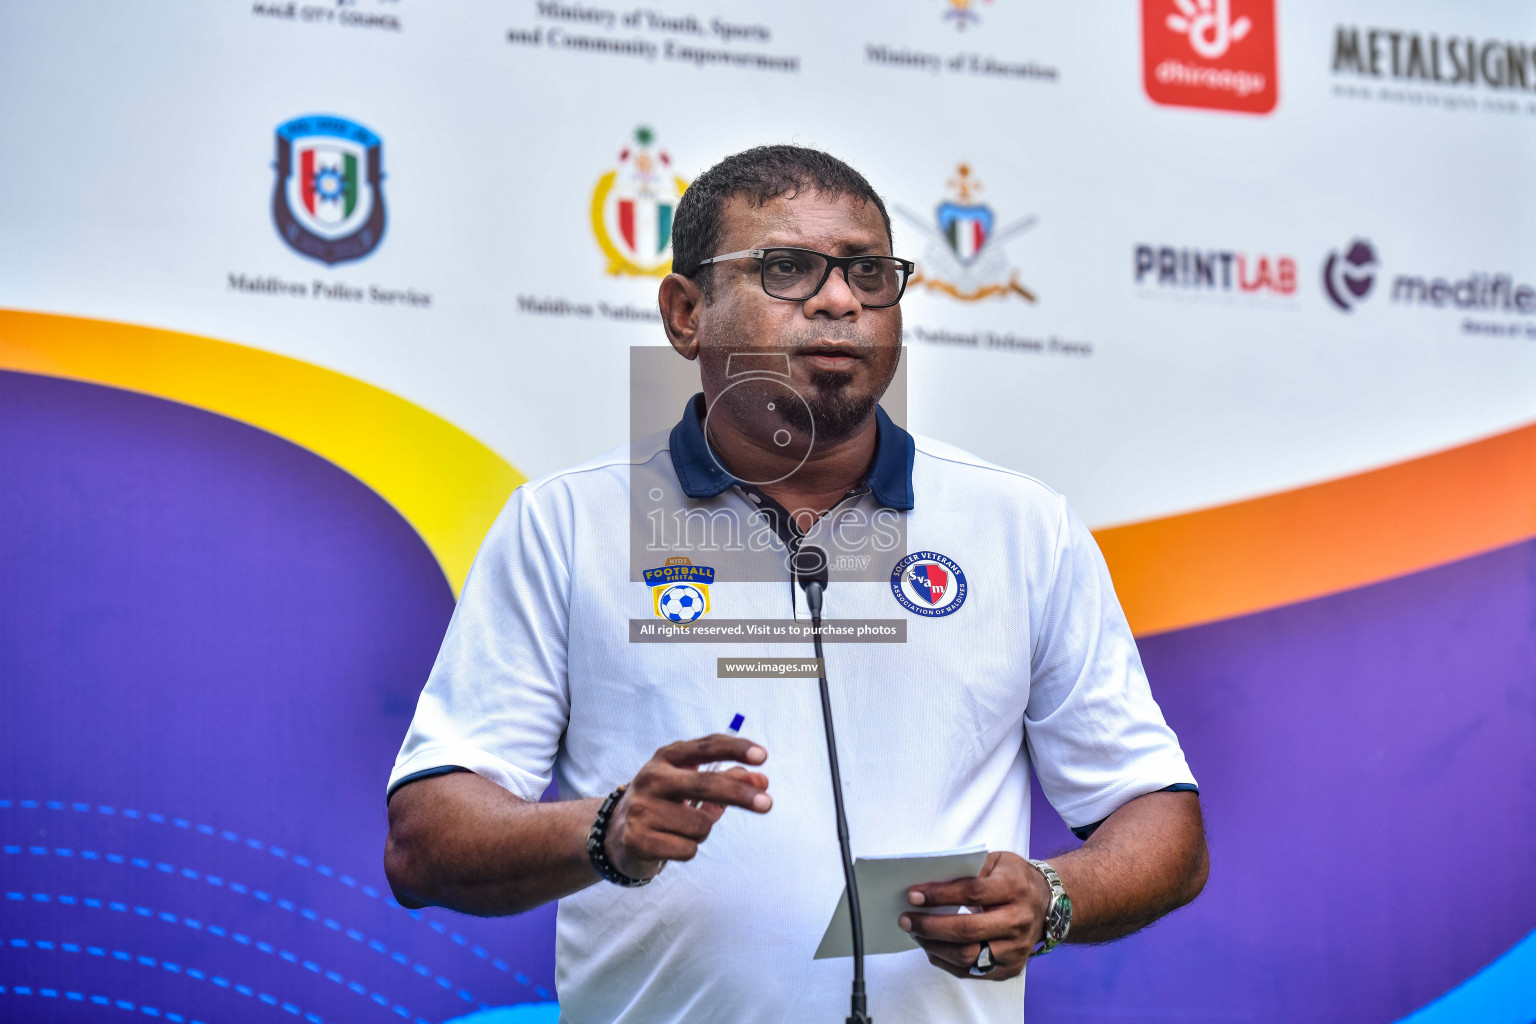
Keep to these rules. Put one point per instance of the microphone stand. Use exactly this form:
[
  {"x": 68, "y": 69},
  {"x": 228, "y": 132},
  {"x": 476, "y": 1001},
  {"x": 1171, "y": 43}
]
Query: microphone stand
[{"x": 813, "y": 593}]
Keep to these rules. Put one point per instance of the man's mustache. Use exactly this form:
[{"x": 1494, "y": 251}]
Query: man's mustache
[{"x": 805, "y": 342}]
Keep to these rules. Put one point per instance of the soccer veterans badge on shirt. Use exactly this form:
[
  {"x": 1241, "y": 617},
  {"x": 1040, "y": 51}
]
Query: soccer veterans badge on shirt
[
  {"x": 928, "y": 583},
  {"x": 680, "y": 589}
]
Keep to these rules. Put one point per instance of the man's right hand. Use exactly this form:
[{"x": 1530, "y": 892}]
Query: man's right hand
[{"x": 654, "y": 822}]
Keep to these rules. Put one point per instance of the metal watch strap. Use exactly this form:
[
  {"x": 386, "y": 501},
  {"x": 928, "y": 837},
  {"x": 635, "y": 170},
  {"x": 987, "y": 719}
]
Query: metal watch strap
[
  {"x": 597, "y": 839},
  {"x": 1058, "y": 915}
]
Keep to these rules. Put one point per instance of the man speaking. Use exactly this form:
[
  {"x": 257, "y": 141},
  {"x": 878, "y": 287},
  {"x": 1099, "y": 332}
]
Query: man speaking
[{"x": 1016, "y": 657}]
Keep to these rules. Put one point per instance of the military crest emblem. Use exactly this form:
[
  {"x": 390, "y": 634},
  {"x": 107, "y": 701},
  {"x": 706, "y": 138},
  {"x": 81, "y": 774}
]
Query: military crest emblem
[
  {"x": 966, "y": 229},
  {"x": 632, "y": 207},
  {"x": 329, "y": 200},
  {"x": 964, "y": 258},
  {"x": 680, "y": 590}
]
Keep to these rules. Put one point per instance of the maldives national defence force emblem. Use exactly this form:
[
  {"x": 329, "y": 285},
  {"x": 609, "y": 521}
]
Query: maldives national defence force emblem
[
  {"x": 632, "y": 207},
  {"x": 964, "y": 258},
  {"x": 329, "y": 199},
  {"x": 679, "y": 589}
]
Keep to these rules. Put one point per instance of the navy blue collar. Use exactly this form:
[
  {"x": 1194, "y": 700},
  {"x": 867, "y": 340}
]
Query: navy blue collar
[{"x": 889, "y": 479}]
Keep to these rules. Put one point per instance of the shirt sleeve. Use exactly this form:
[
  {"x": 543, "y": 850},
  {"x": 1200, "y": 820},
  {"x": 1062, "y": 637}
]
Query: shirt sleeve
[
  {"x": 1096, "y": 738},
  {"x": 497, "y": 700}
]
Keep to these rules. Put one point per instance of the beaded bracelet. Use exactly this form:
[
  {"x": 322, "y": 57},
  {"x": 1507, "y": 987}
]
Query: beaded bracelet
[{"x": 597, "y": 838}]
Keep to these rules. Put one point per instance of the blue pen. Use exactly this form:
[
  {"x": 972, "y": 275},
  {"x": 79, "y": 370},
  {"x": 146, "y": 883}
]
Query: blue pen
[{"x": 734, "y": 729}]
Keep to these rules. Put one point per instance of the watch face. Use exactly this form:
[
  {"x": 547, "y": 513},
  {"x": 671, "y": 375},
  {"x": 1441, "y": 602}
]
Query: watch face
[{"x": 1059, "y": 917}]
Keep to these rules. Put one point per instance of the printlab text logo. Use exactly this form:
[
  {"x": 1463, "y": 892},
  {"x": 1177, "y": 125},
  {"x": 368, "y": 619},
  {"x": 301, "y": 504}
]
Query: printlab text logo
[
  {"x": 1210, "y": 53},
  {"x": 1192, "y": 272}
]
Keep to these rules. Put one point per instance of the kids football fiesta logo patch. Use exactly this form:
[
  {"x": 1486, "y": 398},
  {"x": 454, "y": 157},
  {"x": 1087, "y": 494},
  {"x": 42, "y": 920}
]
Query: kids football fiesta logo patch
[
  {"x": 680, "y": 590},
  {"x": 632, "y": 208},
  {"x": 329, "y": 198}
]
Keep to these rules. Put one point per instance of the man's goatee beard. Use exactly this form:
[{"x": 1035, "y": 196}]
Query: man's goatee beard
[{"x": 832, "y": 415}]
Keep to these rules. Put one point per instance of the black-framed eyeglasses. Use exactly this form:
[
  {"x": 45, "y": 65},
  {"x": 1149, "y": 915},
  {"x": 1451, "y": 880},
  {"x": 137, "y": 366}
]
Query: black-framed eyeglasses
[{"x": 798, "y": 274}]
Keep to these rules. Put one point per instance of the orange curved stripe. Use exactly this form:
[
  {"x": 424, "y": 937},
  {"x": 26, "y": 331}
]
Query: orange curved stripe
[{"x": 1321, "y": 539}]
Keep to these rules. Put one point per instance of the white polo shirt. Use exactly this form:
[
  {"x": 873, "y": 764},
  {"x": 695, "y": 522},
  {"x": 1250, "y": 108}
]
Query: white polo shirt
[{"x": 1016, "y": 655}]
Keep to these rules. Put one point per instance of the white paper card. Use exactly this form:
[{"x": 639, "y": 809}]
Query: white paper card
[{"x": 883, "y": 884}]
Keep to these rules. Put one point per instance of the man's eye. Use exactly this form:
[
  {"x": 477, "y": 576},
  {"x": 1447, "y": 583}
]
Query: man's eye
[{"x": 784, "y": 266}]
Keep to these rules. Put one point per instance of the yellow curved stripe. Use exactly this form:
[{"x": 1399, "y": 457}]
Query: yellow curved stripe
[{"x": 446, "y": 484}]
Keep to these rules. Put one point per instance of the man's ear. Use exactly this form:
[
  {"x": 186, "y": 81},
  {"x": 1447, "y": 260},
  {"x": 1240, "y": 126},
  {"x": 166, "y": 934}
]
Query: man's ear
[{"x": 680, "y": 301}]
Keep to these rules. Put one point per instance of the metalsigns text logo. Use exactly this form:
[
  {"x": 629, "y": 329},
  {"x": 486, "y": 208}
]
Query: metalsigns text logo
[
  {"x": 1411, "y": 56},
  {"x": 328, "y": 202}
]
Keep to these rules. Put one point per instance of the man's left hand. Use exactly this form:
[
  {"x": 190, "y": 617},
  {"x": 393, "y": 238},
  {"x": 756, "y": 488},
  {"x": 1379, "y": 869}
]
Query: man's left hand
[{"x": 1008, "y": 901}]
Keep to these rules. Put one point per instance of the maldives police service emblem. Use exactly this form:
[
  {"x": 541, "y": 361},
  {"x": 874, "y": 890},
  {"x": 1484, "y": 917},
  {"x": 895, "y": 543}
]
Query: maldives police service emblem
[
  {"x": 329, "y": 198},
  {"x": 632, "y": 209},
  {"x": 680, "y": 589},
  {"x": 928, "y": 583}
]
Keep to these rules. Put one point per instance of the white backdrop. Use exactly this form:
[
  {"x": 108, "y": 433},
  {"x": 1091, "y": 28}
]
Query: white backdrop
[
  {"x": 137, "y": 176},
  {"x": 1347, "y": 666}
]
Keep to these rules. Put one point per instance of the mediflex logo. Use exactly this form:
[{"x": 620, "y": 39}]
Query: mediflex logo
[{"x": 1350, "y": 274}]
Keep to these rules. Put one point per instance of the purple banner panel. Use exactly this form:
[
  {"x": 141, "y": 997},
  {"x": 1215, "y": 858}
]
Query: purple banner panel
[
  {"x": 1367, "y": 764},
  {"x": 211, "y": 643}
]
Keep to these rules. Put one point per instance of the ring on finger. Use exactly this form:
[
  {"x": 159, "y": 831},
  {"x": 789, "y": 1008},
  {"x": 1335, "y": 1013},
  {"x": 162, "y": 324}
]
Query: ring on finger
[{"x": 984, "y": 962}]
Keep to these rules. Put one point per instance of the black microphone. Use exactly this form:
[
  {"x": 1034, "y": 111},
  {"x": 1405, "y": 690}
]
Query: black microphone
[{"x": 810, "y": 567}]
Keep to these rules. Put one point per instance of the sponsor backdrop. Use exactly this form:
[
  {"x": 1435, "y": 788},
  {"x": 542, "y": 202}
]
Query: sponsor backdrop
[{"x": 293, "y": 294}]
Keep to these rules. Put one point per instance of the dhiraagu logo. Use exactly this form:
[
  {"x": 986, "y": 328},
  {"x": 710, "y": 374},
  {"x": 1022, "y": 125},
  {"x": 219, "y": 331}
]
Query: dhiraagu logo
[{"x": 1210, "y": 53}]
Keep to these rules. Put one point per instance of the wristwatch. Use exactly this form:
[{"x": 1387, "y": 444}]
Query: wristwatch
[{"x": 1058, "y": 914}]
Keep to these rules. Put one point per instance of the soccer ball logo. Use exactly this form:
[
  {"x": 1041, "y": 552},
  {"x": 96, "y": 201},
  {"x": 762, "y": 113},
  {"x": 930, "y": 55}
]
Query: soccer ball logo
[{"x": 681, "y": 603}]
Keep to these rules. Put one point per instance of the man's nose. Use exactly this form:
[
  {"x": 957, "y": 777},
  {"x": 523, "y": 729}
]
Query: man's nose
[{"x": 835, "y": 300}]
